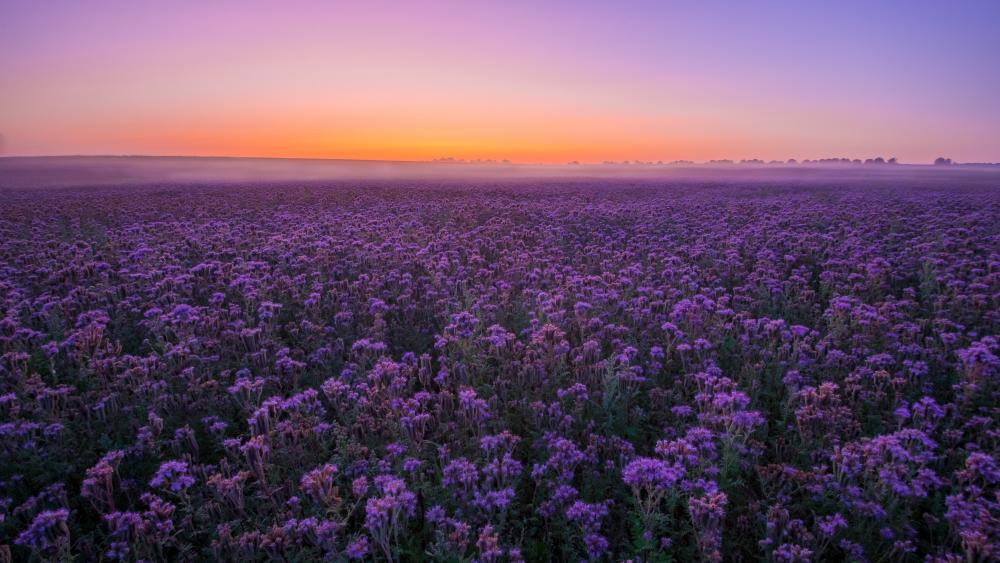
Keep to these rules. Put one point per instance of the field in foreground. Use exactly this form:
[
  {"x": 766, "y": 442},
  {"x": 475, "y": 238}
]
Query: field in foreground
[{"x": 563, "y": 371}]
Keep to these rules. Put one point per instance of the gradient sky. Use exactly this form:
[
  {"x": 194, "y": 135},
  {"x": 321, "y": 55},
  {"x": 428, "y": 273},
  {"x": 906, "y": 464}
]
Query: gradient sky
[{"x": 527, "y": 81}]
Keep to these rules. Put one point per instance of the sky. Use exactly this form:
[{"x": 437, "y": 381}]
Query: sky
[{"x": 526, "y": 81}]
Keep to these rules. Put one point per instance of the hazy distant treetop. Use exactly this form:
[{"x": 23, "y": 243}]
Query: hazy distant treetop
[{"x": 942, "y": 161}]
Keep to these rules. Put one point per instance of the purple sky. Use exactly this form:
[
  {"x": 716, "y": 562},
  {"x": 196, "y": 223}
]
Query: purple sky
[{"x": 542, "y": 83}]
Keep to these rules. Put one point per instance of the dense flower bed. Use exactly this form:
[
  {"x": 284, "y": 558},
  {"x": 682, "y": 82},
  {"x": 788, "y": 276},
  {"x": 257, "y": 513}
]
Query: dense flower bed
[{"x": 500, "y": 373}]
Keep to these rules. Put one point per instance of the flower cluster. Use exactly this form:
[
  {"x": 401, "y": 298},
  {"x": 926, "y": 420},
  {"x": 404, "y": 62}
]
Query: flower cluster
[{"x": 581, "y": 370}]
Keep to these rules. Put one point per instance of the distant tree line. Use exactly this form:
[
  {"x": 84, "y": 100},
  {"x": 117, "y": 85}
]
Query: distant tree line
[{"x": 878, "y": 160}]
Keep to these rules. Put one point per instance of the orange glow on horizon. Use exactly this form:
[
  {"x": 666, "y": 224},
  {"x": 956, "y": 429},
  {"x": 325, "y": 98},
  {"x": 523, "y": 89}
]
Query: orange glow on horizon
[{"x": 530, "y": 83}]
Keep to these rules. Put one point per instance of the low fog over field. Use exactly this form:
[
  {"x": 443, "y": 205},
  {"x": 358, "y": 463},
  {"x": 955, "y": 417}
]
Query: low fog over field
[{"x": 25, "y": 172}]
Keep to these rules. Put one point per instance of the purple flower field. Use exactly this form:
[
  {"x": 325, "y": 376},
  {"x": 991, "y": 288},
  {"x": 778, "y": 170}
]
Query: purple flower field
[{"x": 567, "y": 371}]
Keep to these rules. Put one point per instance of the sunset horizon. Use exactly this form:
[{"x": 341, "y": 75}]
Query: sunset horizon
[
  {"x": 826, "y": 161},
  {"x": 538, "y": 83}
]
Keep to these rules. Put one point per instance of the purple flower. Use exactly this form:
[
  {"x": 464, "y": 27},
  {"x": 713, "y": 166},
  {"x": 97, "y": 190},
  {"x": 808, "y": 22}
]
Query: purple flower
[
  {"x": 48, "y": 533},
  {"x": 357, "y": 549},
  {"x": 831, "y": 524},
  {"x": 588, "y": 516},
  {"x": 651, "y": 473},
  {"x": 173, "y": 476},
  {"x": 596, "y": 545}
]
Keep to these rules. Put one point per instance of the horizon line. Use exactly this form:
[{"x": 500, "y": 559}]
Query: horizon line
[{"x": 445, "y": 160}]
